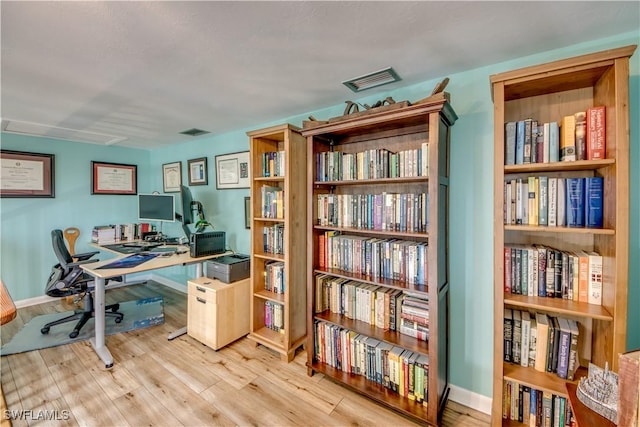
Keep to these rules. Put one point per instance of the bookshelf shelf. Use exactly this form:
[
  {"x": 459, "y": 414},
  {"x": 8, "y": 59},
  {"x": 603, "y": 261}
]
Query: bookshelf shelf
[
  {"x": 400, "y": 234},
  {"x": 548, "y": 93},
  {"x": 578, "y": 165},
  {"x": 419, "y": 135},
  {"x": 360, "y": 327},
  {"x": 558, "y": 305},
  {"x": 543, "y": 229},
  {"x": 278, "y": 149},
  {"x": 545, "y": 381}
]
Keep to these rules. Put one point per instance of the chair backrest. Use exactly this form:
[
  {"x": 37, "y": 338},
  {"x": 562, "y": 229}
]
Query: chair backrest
[{"x": 60, "y": 249}]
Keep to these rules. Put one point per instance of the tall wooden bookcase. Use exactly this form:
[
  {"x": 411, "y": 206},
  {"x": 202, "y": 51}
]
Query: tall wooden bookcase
[
  {"x": 278, "y": 156},
  {"x": 395, "y": 129},
  {"x": 546, "y": 93}
]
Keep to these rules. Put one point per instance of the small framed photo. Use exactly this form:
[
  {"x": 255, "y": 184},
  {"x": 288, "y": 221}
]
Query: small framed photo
[
  {"x": 114, "y": 178},
  {"x": 171, "y": 177},
  {"x": 247, "y": 212},
  {"x": 232, "y": 171},
  {"x": 26, "y": 174},
  {"x": 198, "y": 171}
]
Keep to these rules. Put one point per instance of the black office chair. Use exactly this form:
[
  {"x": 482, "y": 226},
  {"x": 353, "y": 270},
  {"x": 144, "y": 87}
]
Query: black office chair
[{"x": 67, "y": 278}]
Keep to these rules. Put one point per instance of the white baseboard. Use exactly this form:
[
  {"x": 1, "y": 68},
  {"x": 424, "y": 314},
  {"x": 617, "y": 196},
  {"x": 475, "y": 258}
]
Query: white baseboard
[{"x": 470, "y": 399}]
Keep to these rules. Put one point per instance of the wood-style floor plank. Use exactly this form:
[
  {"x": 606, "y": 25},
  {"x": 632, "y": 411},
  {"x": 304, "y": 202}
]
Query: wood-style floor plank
[{"x": 159, "y": 382}]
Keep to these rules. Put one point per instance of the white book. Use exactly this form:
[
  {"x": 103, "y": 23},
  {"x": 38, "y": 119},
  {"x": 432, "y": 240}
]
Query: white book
[
  {"x": 507, "y": 203},
  {"x": 553, "y": 198},
  {"x": 561, "y": 214},
  {"x": 424, "y": 153},
  {"x": 595, "y": 279},
  {"x": 519, "y": 202},
  {"x": 545, "y": 144},
  {"x": 531, "y": 270},
  {"x": 526, "y": 335}
]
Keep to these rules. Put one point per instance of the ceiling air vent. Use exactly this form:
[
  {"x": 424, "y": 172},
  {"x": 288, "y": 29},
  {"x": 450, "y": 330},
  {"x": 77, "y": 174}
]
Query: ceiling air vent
[
  {"x": 194, "y": 132},
  {"x": 379, "y": 78}
]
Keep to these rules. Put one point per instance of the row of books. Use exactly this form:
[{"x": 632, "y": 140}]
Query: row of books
[
  {"x": 404, "y": 212},
  {"x": 580, "y": 136},
  {"x": 274, "y": 280},
  {"x": 401, "y": 371},
  {"x": 547, "y": 272},
  {"x": 372, "y": 164},
  {"x": 384, "y": 308},
  {"x": 535, "y": 408},
  {"x": 273, "y": 239},
  {"x": 272, "y": 205},
  {"x": 554, "y": 202},
  {"x": 273, "y": 163},
  {"x": 392, "y": 259},
  {"x": 119, "y": 232},
  {"x": 274, "y": 316},
  {"x": 540, "y": 341}
]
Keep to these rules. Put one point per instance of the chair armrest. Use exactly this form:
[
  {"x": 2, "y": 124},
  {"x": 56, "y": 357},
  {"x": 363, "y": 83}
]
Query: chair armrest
[
  {"x": 85, "y": 255},
  {"x": 84, "y": 261}
]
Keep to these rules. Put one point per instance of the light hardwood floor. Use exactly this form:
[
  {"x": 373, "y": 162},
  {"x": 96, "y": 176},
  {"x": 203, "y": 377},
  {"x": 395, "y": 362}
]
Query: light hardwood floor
[{"x": 156, "y": 382}]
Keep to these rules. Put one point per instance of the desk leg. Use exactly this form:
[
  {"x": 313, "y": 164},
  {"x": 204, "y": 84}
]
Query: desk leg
[
  {"x": 182, "y": 331},
  {"x": 98, "y": 341}
]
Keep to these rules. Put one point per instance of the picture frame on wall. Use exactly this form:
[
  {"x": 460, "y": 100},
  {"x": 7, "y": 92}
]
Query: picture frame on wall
[
  {"x": 114, "y": 178},
  {"x": 233, "y": 171},
  {"x": 171, "y": 177},
  {"x": 26, "y": 174},
  {"x": 198, "y": 171}
]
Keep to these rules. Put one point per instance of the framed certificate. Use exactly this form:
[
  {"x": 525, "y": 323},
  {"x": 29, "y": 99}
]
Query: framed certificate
[
  {"x": 198, "y": 171},
  {"x": 26, "y": 174},
  {"x": 232, "y": 171},
  {"x": 114, "y": 178},
  {"x": 171, "y": 177}
]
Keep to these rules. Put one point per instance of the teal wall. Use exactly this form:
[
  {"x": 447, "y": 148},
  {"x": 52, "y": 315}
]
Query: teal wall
[{"x": 27, "y": 256}]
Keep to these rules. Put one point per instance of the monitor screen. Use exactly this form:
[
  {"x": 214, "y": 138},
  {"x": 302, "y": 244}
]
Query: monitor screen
[
  {"x": 156, "y": 207},
  {"x": 187, "y": 199}
]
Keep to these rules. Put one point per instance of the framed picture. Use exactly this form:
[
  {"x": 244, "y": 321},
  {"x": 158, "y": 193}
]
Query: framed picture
[
  {"x": 232, "y": 171},
  {"x": 26, "y": 174},
  {"x": 198, "y": 171},
  {"x": 114, "y": 178},
  {"x": 247, "y": 212},
  {"x": 172, "y": 177}
]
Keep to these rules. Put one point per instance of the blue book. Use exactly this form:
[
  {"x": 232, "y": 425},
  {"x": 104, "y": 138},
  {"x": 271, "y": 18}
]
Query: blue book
[
  {"x": 575, "y": 202},
  {"x": 554, "y": 142},
  {"x": 593, "y": 198},
  {"x": 520, "y": 142}
]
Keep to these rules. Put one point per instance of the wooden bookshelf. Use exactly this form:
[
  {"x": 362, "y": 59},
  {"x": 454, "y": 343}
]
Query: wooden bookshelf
[
  {"x": 292, "y": 179},
  {"x": 396, "y": 130},
  {"x": 546, "y": 93}
]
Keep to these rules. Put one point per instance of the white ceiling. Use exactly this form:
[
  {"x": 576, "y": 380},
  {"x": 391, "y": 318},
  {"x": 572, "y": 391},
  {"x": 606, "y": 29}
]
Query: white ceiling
[{"x": 138, "y": 73}]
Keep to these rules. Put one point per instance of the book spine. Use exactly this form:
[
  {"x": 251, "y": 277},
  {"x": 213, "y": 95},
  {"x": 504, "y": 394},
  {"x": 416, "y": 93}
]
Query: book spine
[
  {"x": 510, "y": 143},
  {"x": 596, "y": 133},
  {"x": 575, "y": 202},
  {"x": 568, "y": 139},
  {"x": 554, "y": 142},
  {"x": 520, "y": 133},
  {"x": 581, "y": 135},
  {"x": 593, "y": 195},
  {"x": 533, "y": 201},
  {"x": 552, "y": 202},
  {"x": 527, "y": 141},
  {"x": 543, "y": 209},
  {"x": 595, "y": 279}
]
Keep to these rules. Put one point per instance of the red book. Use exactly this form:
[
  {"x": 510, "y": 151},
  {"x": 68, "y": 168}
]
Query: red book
[{"x": 596, "y": 133}]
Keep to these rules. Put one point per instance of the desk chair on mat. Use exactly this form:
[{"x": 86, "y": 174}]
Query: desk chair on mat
[{"x": 67, "y": 278}]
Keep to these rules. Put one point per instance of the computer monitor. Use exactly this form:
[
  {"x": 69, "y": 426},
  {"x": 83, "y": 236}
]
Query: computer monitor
[
  {"x": 156, "y": 207},
  {"x": 188, "y": 207}
]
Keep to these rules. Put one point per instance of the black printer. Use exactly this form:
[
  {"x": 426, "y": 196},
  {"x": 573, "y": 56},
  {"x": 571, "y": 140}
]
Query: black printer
[{"x": 229, "y": 268}]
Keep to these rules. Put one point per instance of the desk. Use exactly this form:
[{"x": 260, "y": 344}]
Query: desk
[{"x": 101, "y": 275}]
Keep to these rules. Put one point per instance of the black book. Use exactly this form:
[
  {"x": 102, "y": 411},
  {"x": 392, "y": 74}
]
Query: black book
[{"x": 557, "y": 280}]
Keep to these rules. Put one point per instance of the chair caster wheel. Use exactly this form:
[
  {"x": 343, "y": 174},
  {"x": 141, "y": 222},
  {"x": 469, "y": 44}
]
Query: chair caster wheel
[
  {"x": 110, "y": 365},
  {"x": 74, "y": 334},
  {"x": 118, "y": 319},
  {"x": 44, "y": 331}
]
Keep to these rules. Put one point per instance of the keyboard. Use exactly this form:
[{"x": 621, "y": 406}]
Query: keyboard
[{"x": 142, "y": 245}]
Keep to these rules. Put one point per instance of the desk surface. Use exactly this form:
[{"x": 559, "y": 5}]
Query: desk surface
[{"x": 155, "y": 263}]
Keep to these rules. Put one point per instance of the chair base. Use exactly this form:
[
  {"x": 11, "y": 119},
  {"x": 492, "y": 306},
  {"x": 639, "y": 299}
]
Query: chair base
[{"x": 84, "y": 315}]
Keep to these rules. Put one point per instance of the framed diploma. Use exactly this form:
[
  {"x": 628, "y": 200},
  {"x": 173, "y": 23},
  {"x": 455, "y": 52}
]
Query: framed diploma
[
  {"x": 198, "y": 171},
  {"x": 232, "y": 171},
  {"x": 171, "y": 177},
  {"x": 114, "y": 178},
  {"x": 26, "y": 174}
]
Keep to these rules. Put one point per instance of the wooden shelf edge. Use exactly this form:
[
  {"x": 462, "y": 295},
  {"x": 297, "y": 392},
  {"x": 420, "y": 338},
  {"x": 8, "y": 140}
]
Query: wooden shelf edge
[
  {"x": 374, "y": 391},
  {"x": 402, "y": 180},
  {"x": 268, "y": 295},
  {"x": 546, "y": 229},
  {"x": 545, "y": 381},
  {"x": 269, "y": 338},
  {"x": 559, "y": 305},
  {"x": 272, "y": 257},
  {"x": 403, "y": 234},
  {"x": 268, "y": 178},
  {"x": 396, "y": 284},
  {"x": 559, "y": 166}
]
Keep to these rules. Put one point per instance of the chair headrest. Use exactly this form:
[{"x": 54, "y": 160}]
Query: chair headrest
[{"x": 59, "y": 248}]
